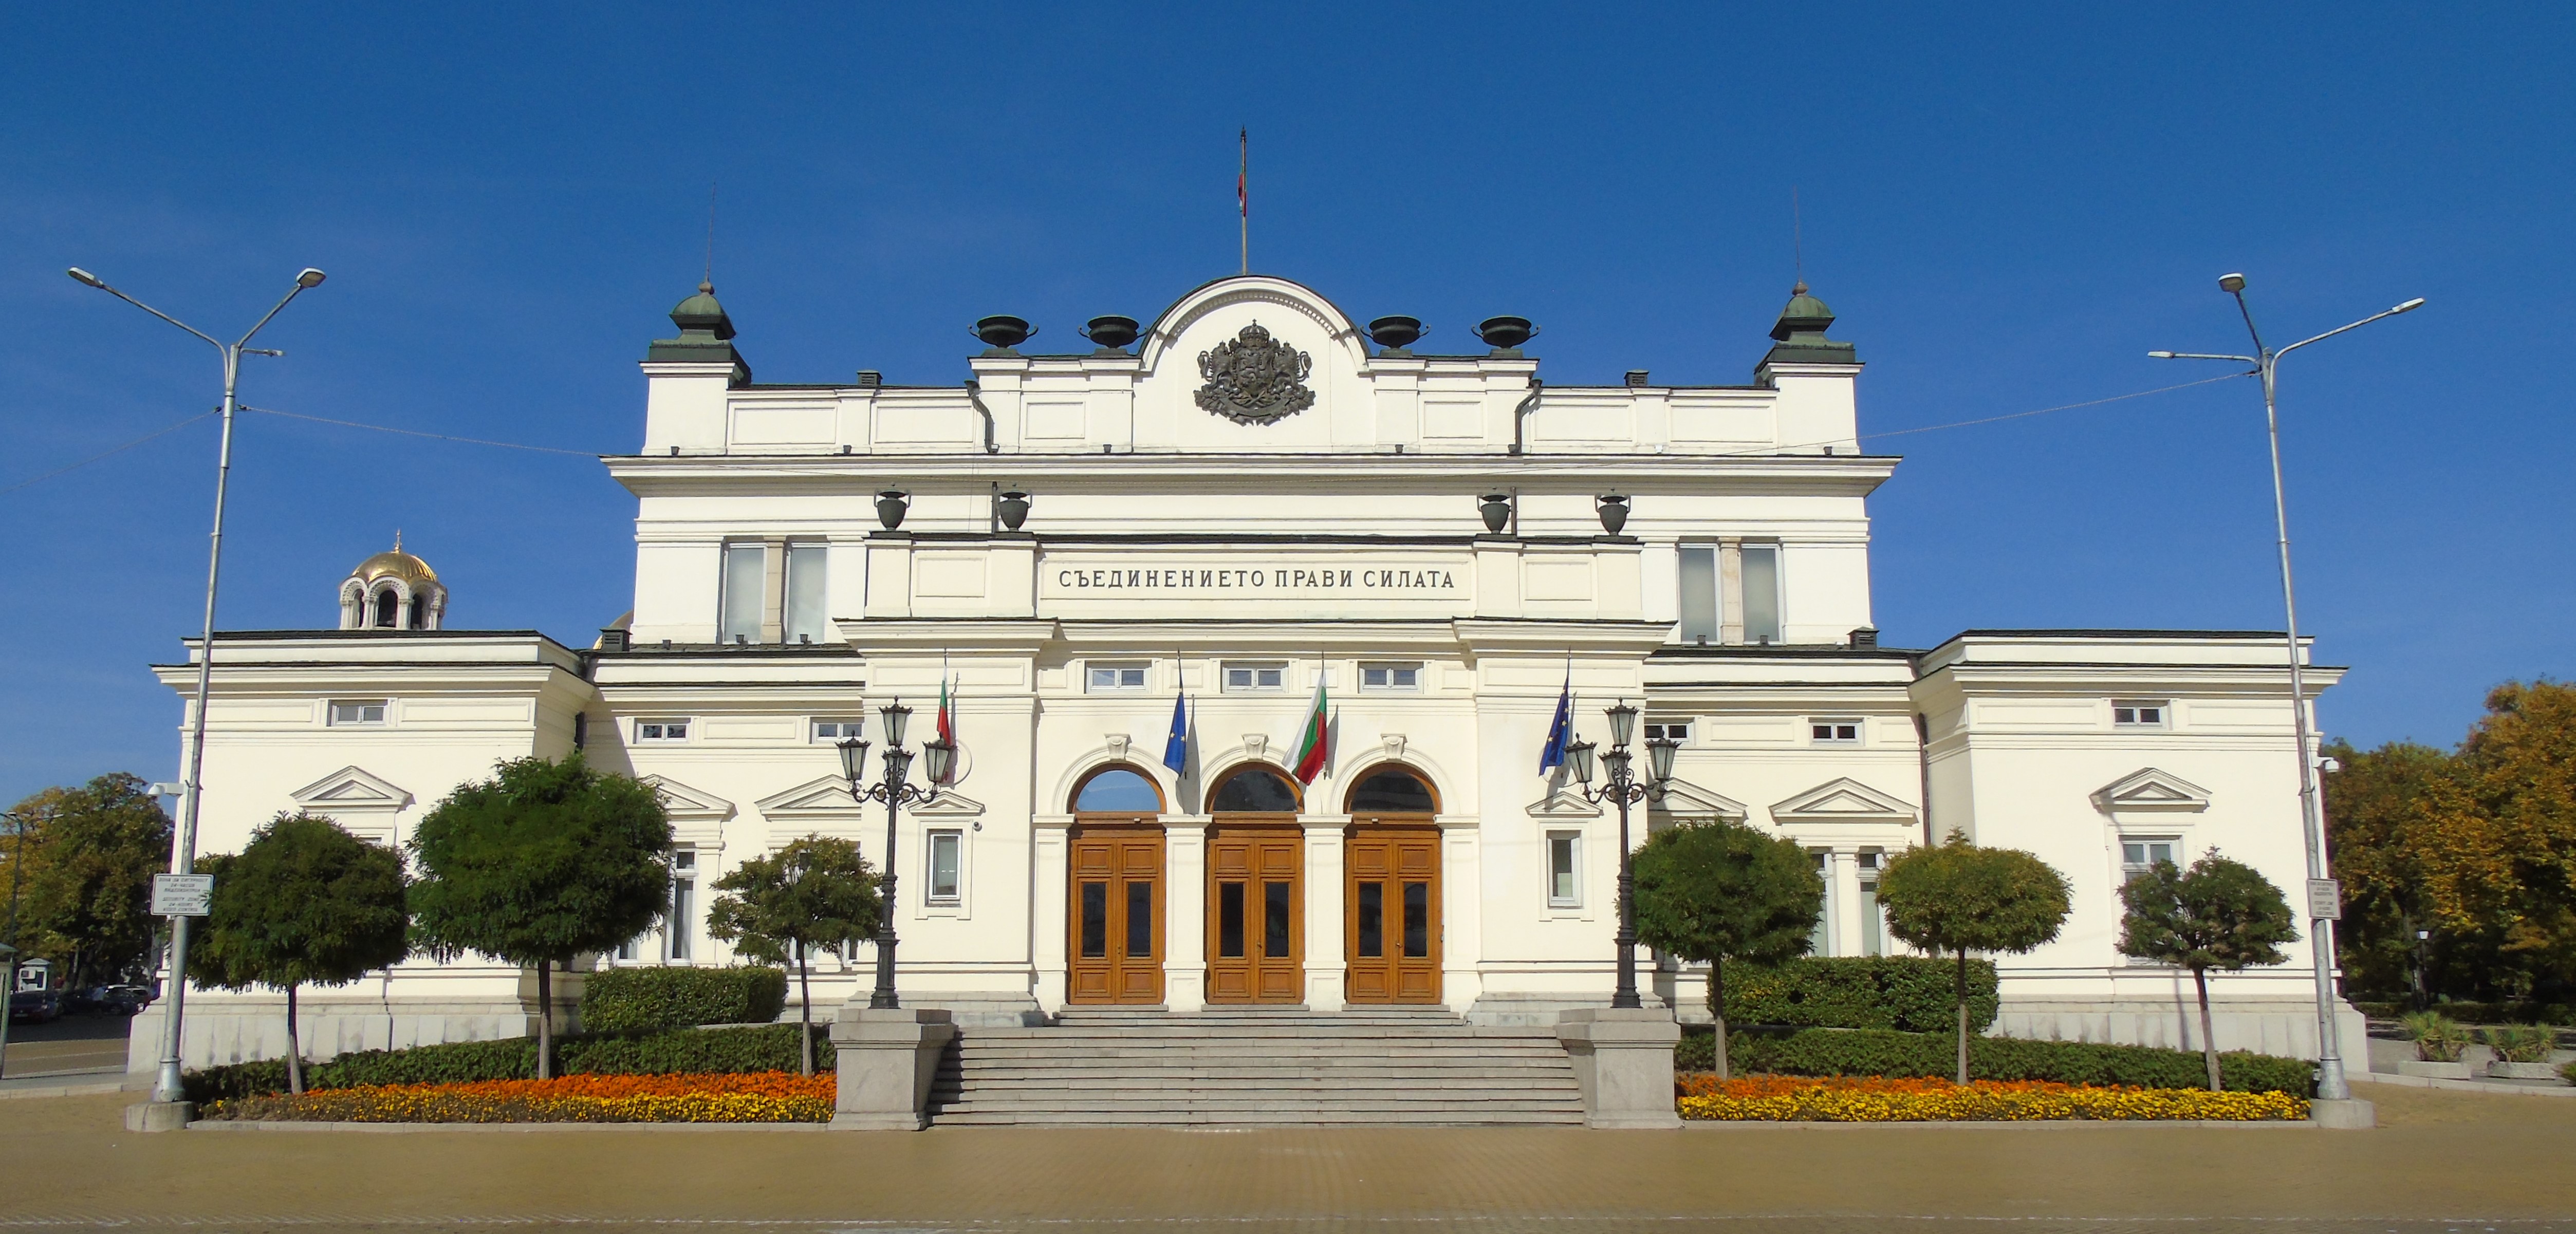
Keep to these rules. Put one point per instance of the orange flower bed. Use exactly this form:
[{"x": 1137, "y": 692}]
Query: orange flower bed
[
  {"x": 757, "y": 1097},
  {"x": 1780, "y": 1098}
]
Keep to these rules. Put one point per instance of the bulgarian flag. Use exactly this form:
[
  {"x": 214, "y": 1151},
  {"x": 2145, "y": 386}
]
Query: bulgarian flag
[
  {"x": 1310, "y": 746},
  {"x": 948, "y": 724}
]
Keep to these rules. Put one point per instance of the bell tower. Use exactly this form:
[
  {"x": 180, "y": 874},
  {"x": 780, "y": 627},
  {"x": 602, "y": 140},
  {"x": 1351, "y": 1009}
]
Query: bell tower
[{"x": 393, "y": 591}]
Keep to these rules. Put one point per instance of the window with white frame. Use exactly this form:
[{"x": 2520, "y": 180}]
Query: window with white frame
[
  {"x": 947, "y": 861},
  {"x": 1390, "y": 676},
  {"x": 2139, "y": 854},
  {"x": 1873, "y": 918},
  {"x": 2138, "y": 713},
  {"x": 667, "y": 729},
  {"x": 1698, "y": 599},
  {"x": 746, "y": 585},
  {"x": 1254, "y": 678},
  {"x": 1677, "y": 730},
  {"x": 1762, "y": 598},
  {"x": 1833, "y": 732},
  {"x": 357, "y": 713},
  {"x": 1112, "y": 678},
  {"x": 830, "y": 730},
  {"x": 1565, "y": 869},
  {"x": 807, "y": 574},
  {"x": 679, "y": 933},
  {"x": 1820, "y": 941}
]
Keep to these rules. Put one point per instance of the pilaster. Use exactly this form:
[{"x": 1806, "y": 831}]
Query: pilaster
[
  {"x": 1185, "y": 912},
  {"x": 1325, "y": 966},
  {"x": 1048, "y": 925}
]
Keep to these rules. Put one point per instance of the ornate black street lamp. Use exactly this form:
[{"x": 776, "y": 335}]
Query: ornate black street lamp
[
  {"x": 894, "y": 792},
  {"x": 1622, "y": 787}
]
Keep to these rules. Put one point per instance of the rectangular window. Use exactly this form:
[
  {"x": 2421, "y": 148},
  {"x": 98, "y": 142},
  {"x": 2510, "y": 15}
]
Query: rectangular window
[
  {"x": 1390, "y": 676},
  {"x": 661, "y": 730},
  {"x": 1255, "y": 677},
  {"x": 346, "y": 714},
  {"x": 746, "y": 573},
  {"x": 2138, "y": 854},
  {"x": 1095, "y": 921},
  {"x": 1677, "y": 730},
  {"x": 680, "y": 931},
  {"x": 1229, "y": 920},
  {"x": 1112, "y": 678},
  {"x": 1834, "y": 732},
  {"x": 806, "y": 576},
  {"x": 1762, "y": 593},
  {"x": 1873, "y": 919},
  {"x": 1564, "y": 872},
  {"x": 1820, "y": 941},
  {"x": 1274, "y": 921},
  {"x": 1698, "y": 594},
  {"x": 837, "y": 729},
  {"x": 1140, "y": 919},
  {"x": 1372, "y": 915},
  {"x": 1417, "y": 920},
  {"x": 2137, "y": 713},
  {"x": 947, "y": 856}
]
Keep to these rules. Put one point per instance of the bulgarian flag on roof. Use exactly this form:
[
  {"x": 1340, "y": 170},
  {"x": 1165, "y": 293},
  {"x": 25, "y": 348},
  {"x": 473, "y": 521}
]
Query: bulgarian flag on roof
[{"x": 1310, "y": 745}]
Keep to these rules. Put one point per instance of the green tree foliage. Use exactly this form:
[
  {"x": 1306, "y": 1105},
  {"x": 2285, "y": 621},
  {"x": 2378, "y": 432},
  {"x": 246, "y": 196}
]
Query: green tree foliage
[
  {"x": 86, "y": 893},
  {"x": 816, "y": 892},
  {"x": 303, "y": 903},
  {"x": 544, "y": 861},
  {"x": 1720, "y": 891},
  {"x": 2378, "y": 819},
  {"x": 2220, "y": 914},
  {"x": 1959, "y": 898}
]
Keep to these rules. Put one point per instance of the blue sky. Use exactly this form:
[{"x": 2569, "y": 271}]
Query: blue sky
[{"x": 2007, "y": 205}]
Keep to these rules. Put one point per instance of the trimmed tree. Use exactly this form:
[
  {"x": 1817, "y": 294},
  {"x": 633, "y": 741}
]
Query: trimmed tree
[
  {"x": 1960, "y": 898},
  {"x": 2220, "y": 914},
  {"x": 543, "y": 862},
  {"x": 91, "y": 853},
  {"x": 303, "y": 903},
  {"x": 816, "y": 892},
  {"x": 1720, "y": 891}
]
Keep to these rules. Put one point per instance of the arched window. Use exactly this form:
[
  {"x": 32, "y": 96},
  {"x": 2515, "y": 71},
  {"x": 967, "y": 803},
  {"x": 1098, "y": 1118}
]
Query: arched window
[
  {"x": 1393, "y": 790},
  {"x": 388, "y": 606},
  {"x": 1254, "y": 790},
  {"x": 1117, "y": 790},
  {"x": 420, "y": 613}
]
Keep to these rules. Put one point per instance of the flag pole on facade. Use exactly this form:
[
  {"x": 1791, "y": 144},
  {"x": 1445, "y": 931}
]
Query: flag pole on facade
[
  {"x": 1243, "y": 197},
  {"x": 1311, "y": 743},
  {"x": 1560, "y": 731},
  {"x": 1176, "y": 748},
  {"x": 947, "y": 718}
]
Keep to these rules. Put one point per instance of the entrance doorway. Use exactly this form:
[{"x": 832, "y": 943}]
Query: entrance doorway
[
  {"x": 1391, "y": 905},
  {"x": 1115, "y": 905},
  {"x": 1256, "y": 906}
]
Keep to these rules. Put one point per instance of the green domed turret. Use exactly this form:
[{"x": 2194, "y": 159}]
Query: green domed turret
[
  {"x": 1799, "y": 335},
  {"x": 706, "y": 336}
]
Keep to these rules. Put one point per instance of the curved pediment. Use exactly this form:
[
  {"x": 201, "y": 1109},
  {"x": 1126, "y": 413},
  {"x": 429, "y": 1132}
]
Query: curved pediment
[{"x": 1176, "y": 334}]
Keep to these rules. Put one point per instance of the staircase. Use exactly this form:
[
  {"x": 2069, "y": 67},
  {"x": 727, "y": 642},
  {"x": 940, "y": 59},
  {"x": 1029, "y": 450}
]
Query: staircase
[{"x": 1257, "y": 1068}]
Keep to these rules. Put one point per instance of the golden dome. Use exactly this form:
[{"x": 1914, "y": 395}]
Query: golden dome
[{"x": 395, "y": 564}]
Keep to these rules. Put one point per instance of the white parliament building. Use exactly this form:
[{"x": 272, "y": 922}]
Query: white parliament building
[{"x": 1250, "y": 494}]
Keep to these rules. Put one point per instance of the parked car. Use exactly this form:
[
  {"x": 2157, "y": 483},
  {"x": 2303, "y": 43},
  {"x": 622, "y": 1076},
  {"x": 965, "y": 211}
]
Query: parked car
[
  {"x": 124, "y": 999},
  {"x": 35, "y": 1006}
]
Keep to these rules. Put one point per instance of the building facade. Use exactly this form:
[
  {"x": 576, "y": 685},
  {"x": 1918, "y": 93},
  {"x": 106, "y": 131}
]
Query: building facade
[{"x": 1199, "y": 524}]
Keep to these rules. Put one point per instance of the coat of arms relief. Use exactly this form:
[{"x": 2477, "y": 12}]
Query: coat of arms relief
[{"x": 1255, "y": 379}]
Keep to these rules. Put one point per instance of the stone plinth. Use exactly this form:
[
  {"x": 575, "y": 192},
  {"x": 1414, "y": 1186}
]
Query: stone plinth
[
  {"x": 888, "y": 1058},
  {"x": 1624, "y": 1058}
]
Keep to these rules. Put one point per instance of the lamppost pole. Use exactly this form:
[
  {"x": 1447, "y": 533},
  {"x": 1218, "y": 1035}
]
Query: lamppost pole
[
  {"x": 894, "y": 792},
  {"x": 183, "y": 842},
  {"x": 2331, "y": 1085},
  {"x": 9, "y": 954},
  {"x": 1624, "y": 788}
]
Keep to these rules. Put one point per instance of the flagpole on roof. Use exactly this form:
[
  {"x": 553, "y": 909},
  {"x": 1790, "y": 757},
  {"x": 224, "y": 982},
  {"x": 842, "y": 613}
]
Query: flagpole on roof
[{"x": 1243, "y": 197}]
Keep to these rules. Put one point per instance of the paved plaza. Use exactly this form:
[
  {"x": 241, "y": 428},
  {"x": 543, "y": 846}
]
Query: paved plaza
[{"x": 2440, "y": 1162}]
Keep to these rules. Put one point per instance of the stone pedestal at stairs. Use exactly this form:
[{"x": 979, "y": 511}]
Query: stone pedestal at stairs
[
  {"x": 888, "y": 1058},
  {"x": 1624, "y": 1058}
]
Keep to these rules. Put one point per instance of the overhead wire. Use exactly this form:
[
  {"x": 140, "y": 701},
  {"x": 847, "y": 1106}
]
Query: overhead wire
[{"x": 109, "y": 453}]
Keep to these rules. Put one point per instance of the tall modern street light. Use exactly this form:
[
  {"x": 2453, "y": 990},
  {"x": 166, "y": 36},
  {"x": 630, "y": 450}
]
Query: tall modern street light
[
  {"x": 9, "y": 948},
  {"x": 183, "y": 846},
  {"x": 2267, "y": 363},
  {"x": 1622, "y": 787},
  {"x": 894, "y": 792}
]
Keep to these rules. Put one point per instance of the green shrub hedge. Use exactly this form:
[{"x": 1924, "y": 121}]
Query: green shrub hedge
[
  {"x": 2474, "y": 1013},
  {"x": 687, "y": 1051},
  {"x": 1907, "y": 993},
  {"x": 638, "y": 1000},
  {"x": 1881, "y": 1053}
]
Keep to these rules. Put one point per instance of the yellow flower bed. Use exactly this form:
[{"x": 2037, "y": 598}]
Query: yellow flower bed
[
  {"x": 1876, "y": 1100},
  {"x": 760, "y": 1097}
]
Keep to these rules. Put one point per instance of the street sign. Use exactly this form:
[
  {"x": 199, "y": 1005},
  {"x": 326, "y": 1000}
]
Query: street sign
[
  {"x": 181, "y": 895},
  {"x": 2325, "y": 900}
]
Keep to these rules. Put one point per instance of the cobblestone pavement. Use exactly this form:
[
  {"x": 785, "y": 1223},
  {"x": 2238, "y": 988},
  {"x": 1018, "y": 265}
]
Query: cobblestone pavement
[{"x": 2441, "y": 1163}]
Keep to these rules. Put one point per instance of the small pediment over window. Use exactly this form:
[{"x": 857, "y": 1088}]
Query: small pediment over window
[
  {"x": 1563, "y": 802},
  {"x": 948, "y": 804},
  {"x": 822, "y": 795},
  {"x": 1683, "y": 799},
  {"x": 682, "y": 801},
  {"x": 351, "y": 787},
  {"x": 2150, "y": 788},
  {"x": 1843, "y": 801}
]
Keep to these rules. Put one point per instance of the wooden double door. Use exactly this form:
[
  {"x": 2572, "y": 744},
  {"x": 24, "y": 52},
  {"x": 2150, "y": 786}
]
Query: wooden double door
[
  {"x": 1391, "y": 912},
  {"x": 1116, "y": 914},
  {"x": 1256, "y": 910}
]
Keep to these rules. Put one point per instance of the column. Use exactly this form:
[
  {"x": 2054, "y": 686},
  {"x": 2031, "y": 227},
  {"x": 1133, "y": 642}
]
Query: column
[
  {"x": 1730, "y": 591},
  {"x": 1845, "y": 872},
  {"x": 1048, "y": 925},
  {"x": 1185, "y": 912},
  {"x": 1325, "y": 963},
  {"x": 1462, "y": 912}
]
